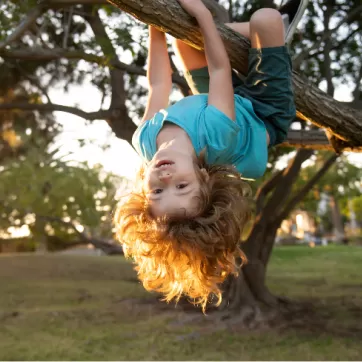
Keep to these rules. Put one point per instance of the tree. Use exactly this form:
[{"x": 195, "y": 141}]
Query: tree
[
  {"x": 313, "y": 105},
  {"x": 341, "y": 183},
  {"x": 61, "y": 202},
  {"x": 248, "y": 293},
  {"x": 357, "y": 207},
  {"x": 61, "y": 25}
]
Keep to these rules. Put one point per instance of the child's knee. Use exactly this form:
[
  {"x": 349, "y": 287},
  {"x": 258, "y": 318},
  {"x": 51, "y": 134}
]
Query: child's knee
[{"x": 266, "y": 19}]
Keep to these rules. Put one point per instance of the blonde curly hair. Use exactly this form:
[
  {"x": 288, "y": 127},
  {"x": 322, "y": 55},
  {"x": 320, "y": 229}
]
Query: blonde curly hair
[{"x": 189, "y": 256}]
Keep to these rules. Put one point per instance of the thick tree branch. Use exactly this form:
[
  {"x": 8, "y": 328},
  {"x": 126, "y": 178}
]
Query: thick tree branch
[
  {"x": 290, "y": 174},
  {"x": 276, "y": 201},
  {"x": 28, "y": 21},
  {"x": 265, "y": 189},
  {"x": 217, "y": 10},
  {"x": 120, "y": 121},
  {"x": 313, "y": 104},
  {"x": 292, "y": 203},
  {"x": 313, "y": 139},
  {"x": 307, "y": 138},
  {"x": 265, "y": 220}
]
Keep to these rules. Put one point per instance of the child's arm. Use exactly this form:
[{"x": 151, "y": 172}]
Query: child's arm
[
  {"x": 158, "y": 74},
  {"x": 221, "y": 92}
]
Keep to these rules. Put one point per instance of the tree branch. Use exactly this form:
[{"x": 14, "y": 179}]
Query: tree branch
[
  {"x": 110, "y": 248},
  {"x": 313, "y": 104},
  {"x": 290, "y": 174},
  {"x": 65, "y": 3},
  {"x": 307, "y": 187},
  {"x": 119, "y": 121},
  {"x": 274, "y": 207},
  {"x": 33, "y": 80},
  {"x": 357, "y": 90},
  {"x": 41, "y": 54},
  {"x": 339, "y": 44},
  {"x": 314, "y": 139},
  {"x": 29, "y": 20},
  {"x": 51, "y": 107},
  {"x": 305, "y": 138},
  {"x": 327, "y": 64},
  {"x": 297, "y": 61},
  {"x": 265, "y": 220},
  {"x": 265, "y": 189}
]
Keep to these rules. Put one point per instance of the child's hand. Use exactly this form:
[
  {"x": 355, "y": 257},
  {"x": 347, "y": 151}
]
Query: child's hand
[{"x": 195, "y": 8}]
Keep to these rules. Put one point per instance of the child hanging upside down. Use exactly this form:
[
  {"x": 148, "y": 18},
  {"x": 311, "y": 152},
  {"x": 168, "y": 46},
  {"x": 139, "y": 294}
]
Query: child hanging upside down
[{"x": 183, "y": 221}]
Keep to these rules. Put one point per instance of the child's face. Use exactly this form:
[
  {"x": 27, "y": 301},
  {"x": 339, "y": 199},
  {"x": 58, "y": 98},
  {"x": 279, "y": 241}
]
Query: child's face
[{"x": 171, "y": 184}]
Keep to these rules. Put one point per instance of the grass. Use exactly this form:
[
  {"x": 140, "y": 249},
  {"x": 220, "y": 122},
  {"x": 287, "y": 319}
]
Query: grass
[{"x": 62, "y": 307}]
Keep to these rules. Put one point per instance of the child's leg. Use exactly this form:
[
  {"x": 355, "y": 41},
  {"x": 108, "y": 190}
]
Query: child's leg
[
  {"x": 194, "y": 66},
  {"x": 268, "y": 84},
  {"x": 190, "y": 57},
  {"x": 194, "y": 62},
  {"x": 193, "y": 59},
  {"x": 266, "y": 29}
]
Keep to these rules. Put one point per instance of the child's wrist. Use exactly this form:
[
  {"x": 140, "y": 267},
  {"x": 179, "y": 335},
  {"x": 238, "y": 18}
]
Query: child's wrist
[
  {"x": 204, "y": 15},
  {"x": 155, "y": 31}
]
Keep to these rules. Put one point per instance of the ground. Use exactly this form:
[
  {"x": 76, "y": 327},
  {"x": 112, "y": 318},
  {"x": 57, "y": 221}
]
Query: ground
[{"x": 66, "y": 307}]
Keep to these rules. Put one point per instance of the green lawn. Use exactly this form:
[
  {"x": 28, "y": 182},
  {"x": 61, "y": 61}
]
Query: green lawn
[{"x": 60, "y": 307}]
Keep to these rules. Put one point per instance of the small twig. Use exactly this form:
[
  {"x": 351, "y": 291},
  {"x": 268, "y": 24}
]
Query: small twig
[
  {"x": 35, "y": 82},
  {"x": 19, "y": 31},
  {"x": 67, "y": 27}
]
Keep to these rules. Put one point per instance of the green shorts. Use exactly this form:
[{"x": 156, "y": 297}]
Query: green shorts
[{"x": 268, "y": 86}]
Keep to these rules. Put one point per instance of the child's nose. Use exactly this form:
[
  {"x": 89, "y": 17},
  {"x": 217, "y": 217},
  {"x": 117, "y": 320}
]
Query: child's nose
[{"x": 165, "y": 176}]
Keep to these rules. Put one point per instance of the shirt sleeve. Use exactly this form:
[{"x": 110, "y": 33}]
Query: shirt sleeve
[
  {"x": 136, "y": 138},
  {"x": 221, "y": 134}
]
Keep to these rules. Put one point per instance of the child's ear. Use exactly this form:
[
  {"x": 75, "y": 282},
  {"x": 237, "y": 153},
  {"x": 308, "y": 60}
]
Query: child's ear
[{"x": 205, "y": 174}]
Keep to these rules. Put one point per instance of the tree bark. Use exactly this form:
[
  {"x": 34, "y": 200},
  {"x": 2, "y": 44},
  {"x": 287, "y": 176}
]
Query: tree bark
[
  {"x": 338, "y": 226},
  {"x": 313, "y": 105}
]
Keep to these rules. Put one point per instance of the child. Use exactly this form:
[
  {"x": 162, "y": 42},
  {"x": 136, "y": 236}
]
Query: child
[{"x": 183, "y": 222}]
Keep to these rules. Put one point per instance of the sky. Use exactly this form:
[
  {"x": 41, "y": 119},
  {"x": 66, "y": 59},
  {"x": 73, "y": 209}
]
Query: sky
[{"x": 119, "y": 158}]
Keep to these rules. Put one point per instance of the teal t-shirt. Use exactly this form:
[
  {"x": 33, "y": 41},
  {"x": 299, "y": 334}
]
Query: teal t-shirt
[{"x": 241, "y": 143}]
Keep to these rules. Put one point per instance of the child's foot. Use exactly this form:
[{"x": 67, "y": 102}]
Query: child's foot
[{"x": 292, "y": 12}]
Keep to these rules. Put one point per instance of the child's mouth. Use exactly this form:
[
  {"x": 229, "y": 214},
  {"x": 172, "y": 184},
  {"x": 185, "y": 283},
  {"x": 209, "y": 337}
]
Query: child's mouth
[{"x": 164, "y": 163}]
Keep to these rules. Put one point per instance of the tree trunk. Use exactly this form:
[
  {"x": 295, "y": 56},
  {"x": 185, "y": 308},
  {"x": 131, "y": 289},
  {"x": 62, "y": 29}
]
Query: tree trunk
[
  {"x": 312, "y": 104},
  {"x": 40, "y": 237},
  {"x": 337, "y": 220},
  {"x": 248, "y": 294}
]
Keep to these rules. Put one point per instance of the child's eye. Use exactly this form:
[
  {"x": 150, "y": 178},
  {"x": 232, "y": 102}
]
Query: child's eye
[
  {"x": 157, "y": 191},
  {"x": 181, "y": 186}
]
